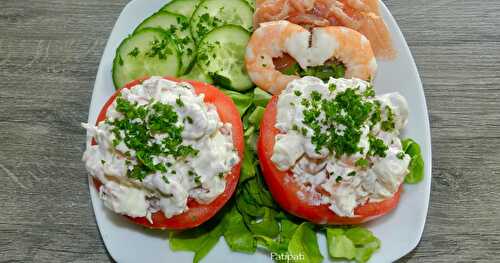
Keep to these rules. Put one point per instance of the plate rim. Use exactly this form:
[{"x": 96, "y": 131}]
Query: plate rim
[{"x": 428, "y": 170}]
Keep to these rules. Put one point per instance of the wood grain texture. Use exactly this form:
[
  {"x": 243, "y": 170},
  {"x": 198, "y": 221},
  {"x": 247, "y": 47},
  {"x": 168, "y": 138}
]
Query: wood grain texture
[{"x": 49, "y": 54}]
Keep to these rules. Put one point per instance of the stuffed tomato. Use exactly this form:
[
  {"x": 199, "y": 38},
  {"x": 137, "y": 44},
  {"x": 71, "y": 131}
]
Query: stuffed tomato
[
  {"x": 165, "y": 153},
  {"x": 330, "y": 152}
]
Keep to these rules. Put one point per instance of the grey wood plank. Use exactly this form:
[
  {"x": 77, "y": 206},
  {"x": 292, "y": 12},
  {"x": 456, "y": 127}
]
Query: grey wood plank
[{"x": 49, "y": 53}]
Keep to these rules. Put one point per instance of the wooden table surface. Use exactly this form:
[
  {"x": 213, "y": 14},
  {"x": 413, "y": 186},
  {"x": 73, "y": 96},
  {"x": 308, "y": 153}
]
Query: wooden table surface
[{"x": 49, "y": 54}]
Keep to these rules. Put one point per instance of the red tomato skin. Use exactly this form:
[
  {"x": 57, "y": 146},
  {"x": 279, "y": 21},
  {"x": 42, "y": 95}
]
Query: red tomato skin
[
  {"x": 285, "y": 191},
  {"x": 197, "y": 213}
]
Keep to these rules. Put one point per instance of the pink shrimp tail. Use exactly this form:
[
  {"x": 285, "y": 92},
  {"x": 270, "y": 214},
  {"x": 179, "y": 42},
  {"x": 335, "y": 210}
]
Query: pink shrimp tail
[{"x": 374, "y": 28}]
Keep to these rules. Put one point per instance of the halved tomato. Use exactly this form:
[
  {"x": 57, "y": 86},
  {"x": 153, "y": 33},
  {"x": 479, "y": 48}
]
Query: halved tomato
[
  {"x": 197, "y": 213},
  {"x": 285, "y": 190}
]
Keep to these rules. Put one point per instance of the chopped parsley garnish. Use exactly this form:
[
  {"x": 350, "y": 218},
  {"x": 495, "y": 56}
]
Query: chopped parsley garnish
[
  {"x": 165, "y": 179},
  {"x": 376, "y": 114},
  {"x": 338, "y": 179},
  {"x": 208, "y": 22},
  {"x": 337, "y": 124},
  {"x": 179, "y": 102},
  {"x": 297, "y": 93},
  {"x": 304, "y": 131},
  {"x": 369, "y": 92},
  {"x": 332, "y": 87},
  {"x": 388, "y": 124},
  {"x": 160, "y": 49},
  {"x": 362, "y": 163},
  {"x": 400, "y": 155},
  {"x": 156, "y": 118},
  {"x": 377, "y": 146},
  {"x": 134, "y": 52},
  {"x": 119, "y": 60},
  {"x": 347, "y": 109},
  {"x": 353, "y": 173},
  {"x": 197, "y": 179}
]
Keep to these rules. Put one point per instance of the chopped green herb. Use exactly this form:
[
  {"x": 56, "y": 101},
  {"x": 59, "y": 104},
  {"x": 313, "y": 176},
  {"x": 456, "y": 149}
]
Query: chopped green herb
[
  {"x": 134, "y": 52},
  {"x": 362, "y": 163},
  {"x": 179, "y": 102},
  {"x": 160, "y": 49},
  {"x": 297, "y": 93},
  {"x": 400, "y": 155},
  {"x": 353, "y": 173},
  {"x": 388, "y": 125},
  {"x": 120, "y": 60},
  {"x": 369, "y": 92},
  {"x": 304, "y": 131},
  {"x": 377, "y": 146},
  {"x": 348, "y": 108},
  {"x": 165, "y": 179},
  {"x": 315, "y": 96},
  {"x": 332, "y": 87},
  {"x": 376, "y": 113},
  {"x": 138, "y": 136},
  {"x": 197, "y": 180}
]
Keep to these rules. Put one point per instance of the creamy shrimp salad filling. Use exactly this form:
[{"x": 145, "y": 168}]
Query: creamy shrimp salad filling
[
  {"x": 341, "y": 142},
  {"x": 160, "y": 145}
]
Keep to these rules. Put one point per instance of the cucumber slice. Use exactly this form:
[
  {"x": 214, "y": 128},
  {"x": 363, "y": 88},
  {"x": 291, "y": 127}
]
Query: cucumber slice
[
  {"x": 221, "y": 55},
  {"x": 148, "y": 52},
  {"x": 197, "y": 74},
  {"x": 214, "y": 13},
  {"x": 181, "y": 7},
  {"x": 176, "y": 26}
]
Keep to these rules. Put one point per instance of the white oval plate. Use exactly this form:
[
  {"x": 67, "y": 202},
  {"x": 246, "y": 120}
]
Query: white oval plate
[{"x": 399, "y": 231}]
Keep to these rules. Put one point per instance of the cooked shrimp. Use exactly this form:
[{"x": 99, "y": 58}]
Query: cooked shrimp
[
  {"x": 275, "y": 39},
  {"x": 348, "y": 46},
  {"x": 368, "y": 23},
  {"x": 267, "y": 42},
  {"x": 274, "y": 10},
  {"x": 360, "y": 15},
  {"x": 363, "y": 5}
]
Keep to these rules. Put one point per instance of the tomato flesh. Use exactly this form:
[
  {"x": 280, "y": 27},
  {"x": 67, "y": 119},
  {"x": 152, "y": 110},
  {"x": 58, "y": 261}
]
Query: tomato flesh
[
  {"x": 197, "y": 213},
  {"x": 285, "y": 191}
]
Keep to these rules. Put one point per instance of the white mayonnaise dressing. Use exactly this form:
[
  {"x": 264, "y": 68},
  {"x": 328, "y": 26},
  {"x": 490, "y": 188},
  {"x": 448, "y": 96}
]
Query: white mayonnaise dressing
[
  {"x": 294, "y": 151},
  {"x": 163, "y": 191}
]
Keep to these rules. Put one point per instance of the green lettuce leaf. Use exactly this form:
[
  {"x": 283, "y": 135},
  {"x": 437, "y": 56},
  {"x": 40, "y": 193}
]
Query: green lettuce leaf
[
  {"x": 416, "y": 166},
  {"x": 243, "y": 101},
  {"x": 237, "y": 235},
  {"x": 248, "y": 166},
  {"x": 261, "y": 97},
  {"x": 339, "y": 246},
  {"x": 304, "y": 244},
  {"x": 266, "y": 225},
  {"x": 356, "y": 243},
  {"x": 199, "y": 240},
  {"x": 256, "y": 116}
]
